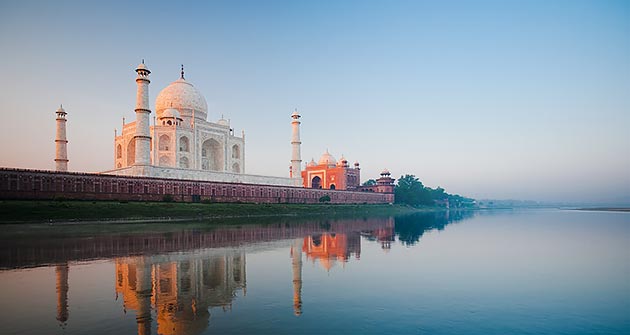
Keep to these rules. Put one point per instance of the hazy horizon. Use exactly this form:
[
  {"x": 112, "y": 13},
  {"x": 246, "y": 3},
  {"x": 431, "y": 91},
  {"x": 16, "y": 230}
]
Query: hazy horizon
[{"x": 526, "y": 100}]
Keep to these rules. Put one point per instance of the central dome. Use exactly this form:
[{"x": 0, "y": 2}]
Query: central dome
[
  {"x": 327, "y": 159},
  {"x": 184, "y": 97}
]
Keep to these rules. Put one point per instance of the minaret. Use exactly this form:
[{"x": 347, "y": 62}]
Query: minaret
[
  {"x": 61, "y": 143},
  {"x": 296, "y": 263},
  {"x": 142, "y": 137},
  {"x": 62, "y": 293},
  {"x": 296, "y": 157}
]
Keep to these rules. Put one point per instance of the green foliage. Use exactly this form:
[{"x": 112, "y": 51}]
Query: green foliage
[
  {"x": 325, "y": 198},
  {"x": 410, "y": 191},
  {"x": 369, "y": 182},
  {"x": 168, "y": 198}
]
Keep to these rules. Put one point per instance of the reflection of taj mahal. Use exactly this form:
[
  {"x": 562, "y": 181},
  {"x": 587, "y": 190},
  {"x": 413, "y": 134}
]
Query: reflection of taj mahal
[{"x": 180, "y": 290}]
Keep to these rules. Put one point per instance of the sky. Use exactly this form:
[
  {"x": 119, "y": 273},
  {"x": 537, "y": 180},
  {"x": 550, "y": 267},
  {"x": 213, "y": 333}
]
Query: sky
[{"x": 488, "y": 99}]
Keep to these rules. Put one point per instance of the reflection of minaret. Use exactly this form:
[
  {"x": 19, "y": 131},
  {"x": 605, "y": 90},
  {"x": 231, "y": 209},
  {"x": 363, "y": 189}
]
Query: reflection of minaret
[
  {"x": 143, "y": 294},
  {"x": 62, "y": 293},
  {"x": 296, "y": 262}
]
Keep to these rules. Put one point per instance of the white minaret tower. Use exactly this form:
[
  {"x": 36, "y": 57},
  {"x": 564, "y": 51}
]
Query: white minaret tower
[
  {"x": 296, "y": 157},
  {"x": 61, "y": 143},
  {"x": 142, "y": 137}
]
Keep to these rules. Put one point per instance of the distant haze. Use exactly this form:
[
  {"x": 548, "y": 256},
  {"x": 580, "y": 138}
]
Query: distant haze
[{"x": 488, "y": 99}]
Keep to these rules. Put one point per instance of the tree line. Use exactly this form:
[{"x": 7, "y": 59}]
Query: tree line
[{"x": 409, "y": 190}]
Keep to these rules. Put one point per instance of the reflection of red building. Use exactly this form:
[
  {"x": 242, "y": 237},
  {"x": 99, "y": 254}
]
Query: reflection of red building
[
  {"x": 330, "y": 174},
  {"x": 329, "y": 248}
]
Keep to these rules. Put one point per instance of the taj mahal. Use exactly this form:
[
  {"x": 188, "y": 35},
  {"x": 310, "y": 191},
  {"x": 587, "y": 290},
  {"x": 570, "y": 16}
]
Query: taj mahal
[{"x": 182, "y": 143}]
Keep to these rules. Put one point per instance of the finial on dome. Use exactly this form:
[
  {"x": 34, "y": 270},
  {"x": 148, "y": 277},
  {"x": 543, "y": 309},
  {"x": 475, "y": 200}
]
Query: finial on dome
[
  {"x": 142, "y": 60},
  {"x": 183, "y": 71}
]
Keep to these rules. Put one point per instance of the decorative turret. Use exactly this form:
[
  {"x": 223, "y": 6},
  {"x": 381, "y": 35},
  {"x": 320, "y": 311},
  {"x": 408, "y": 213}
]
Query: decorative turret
[
  {"x": 296, "y": 157},
  {"x": 61, "y": 143},
  {"x": 142, "y": 136},
  {"x": 385, "y": 184}
]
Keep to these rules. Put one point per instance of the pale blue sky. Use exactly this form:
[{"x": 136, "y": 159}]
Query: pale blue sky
[{"x": 499, "y": 99}]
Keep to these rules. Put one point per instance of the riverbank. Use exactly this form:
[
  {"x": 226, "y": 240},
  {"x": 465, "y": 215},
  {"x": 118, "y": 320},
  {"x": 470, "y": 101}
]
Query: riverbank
[
  {"x": 605, "y": 209},
  {"x": 85, "y": 212}
]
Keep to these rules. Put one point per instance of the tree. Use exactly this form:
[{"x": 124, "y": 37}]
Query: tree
[
  {"x": 409, "y": 190},
  {"x": 369, "y": 182}
]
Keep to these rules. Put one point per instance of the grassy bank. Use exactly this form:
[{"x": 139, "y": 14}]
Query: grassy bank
[{"x": 81, "y": 211}]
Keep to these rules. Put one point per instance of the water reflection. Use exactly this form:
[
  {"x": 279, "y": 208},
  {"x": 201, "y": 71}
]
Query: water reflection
[
  {"x": 410, "y": 228},
  {"x": 180, "y": 288},
  {"x": 172, "y": 280},
  {"x": 61, "y": 272}
]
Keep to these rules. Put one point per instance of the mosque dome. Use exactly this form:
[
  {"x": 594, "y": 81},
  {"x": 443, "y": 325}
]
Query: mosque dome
[
  {"x": 184, "y": 97},
  {"x": 327, "y": 159},
  {"x": 311, "y": 163}
]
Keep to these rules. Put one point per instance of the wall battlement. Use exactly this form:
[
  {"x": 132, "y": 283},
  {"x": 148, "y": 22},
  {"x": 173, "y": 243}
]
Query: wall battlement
[{"x": 44, "y": 185}]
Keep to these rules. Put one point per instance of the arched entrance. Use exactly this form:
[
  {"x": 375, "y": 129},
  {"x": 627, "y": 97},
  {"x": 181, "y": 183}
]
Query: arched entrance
[
  {"x": 316, "y": 182},
  {"x": 211, "y": 155},
  {"x": 131, "y": 152},
  {"x": 332, "y": 186}
]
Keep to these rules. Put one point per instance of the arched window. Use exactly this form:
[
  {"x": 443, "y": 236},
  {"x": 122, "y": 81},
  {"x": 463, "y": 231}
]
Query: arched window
[
  {"x": 332, "y": 186},
  {"x": 164, "y": 142},
  {"x": 183, "y": 163},
  {"x": 184, "y": 144},
  {"x": 164, "y": 161},
  {"x": 236, "y": 151},
  {"x": 236, "y": 168},
  {"x": 119, "y": 151}
]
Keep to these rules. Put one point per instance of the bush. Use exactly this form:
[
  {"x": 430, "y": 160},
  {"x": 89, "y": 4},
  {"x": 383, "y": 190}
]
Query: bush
[
  {"x": 325, "y": 198},
  {"x": 168, "y": 198}
]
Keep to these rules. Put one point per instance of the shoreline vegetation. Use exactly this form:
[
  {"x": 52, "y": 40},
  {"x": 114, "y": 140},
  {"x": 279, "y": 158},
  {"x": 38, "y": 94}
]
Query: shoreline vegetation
[{"x": 102, "y": 212}]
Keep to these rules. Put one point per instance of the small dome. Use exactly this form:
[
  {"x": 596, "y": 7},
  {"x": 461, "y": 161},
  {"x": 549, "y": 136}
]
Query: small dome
[
  {"x": 141, "y": 66},
  {"x": 311, "y": 163},
  {"x": 385, "y": 173},
  {"x": 327, "y": 159},
  {"x": 223, "y": 122},
  {"x": 171, "y": 113},
  {"x": 184, "y": 97}
]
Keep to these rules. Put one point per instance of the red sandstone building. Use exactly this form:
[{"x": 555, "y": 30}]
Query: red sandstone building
[{"x": 328, "y": 173}]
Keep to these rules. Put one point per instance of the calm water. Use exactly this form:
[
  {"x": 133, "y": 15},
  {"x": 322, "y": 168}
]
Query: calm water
[{"x": 526, "y": 272}]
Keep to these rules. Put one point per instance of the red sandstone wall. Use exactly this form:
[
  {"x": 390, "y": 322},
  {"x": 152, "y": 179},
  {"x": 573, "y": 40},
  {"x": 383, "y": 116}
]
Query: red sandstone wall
[{"x": 36, "y": 184}]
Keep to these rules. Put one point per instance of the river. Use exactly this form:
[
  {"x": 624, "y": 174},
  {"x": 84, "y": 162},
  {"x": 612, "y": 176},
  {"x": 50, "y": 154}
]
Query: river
[{"x": 479, "y": 272}]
